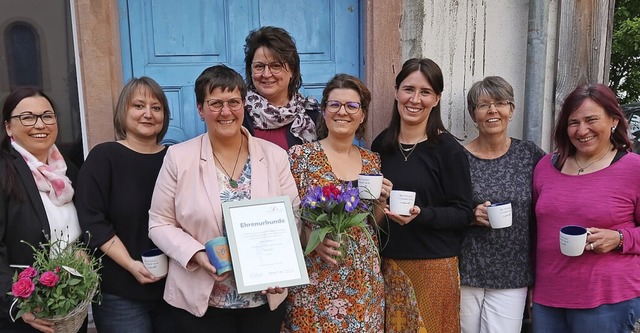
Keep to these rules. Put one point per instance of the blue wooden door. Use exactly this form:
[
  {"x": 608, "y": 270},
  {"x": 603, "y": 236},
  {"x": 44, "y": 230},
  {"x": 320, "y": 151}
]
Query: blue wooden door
[{"x": 174, "y": 41}]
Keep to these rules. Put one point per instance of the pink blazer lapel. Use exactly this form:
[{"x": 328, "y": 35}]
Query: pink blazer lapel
[
  {"x": 259, "y": 170},
  {"x": 210, "y": 180}
]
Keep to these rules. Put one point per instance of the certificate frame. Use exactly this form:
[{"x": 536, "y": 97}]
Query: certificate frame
[{"x": 257, "y": 235}]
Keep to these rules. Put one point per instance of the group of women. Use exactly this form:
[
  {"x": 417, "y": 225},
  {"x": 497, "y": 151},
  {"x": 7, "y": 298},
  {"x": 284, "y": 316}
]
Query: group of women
[{"x": 440, "y": 269}]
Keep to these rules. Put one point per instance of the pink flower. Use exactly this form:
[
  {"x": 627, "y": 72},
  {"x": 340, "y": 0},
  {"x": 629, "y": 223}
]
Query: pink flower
[
  {"x": 49, "y": 279},
  {"x": 23, "y": 288},
  {"x": 28, "y": 273}
]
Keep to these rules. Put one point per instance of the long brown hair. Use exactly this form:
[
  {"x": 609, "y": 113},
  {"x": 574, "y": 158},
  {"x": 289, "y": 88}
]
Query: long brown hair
[{"x": 435, "y": 127}]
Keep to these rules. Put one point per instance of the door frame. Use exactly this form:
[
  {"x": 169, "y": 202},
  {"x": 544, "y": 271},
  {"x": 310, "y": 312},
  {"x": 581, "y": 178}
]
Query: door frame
[{"x": 101, "y": 69}]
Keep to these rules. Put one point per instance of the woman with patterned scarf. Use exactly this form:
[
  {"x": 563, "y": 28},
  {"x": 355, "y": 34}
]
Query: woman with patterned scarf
[
  {"x": 275, "y": 110},
  {"x": 35, "y": 194}
]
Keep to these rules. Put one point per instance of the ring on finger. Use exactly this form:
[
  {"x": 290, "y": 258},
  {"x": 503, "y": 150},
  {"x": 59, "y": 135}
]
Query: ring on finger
[{"x": 592, "y": 247}]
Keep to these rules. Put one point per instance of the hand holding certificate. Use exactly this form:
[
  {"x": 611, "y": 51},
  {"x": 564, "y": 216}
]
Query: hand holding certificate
[{"x": 264, "y": 244}]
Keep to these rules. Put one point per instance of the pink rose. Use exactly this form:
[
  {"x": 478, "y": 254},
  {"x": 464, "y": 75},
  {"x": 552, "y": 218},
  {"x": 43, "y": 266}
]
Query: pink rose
[
  {"x": 28, "y": 273},
  {"x": 49, "y": 279},
  {"x": 23, "y": 288}
]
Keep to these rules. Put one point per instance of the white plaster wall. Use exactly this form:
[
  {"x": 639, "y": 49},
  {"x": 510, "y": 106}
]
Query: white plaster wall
[{"x": 471, "y": 39}]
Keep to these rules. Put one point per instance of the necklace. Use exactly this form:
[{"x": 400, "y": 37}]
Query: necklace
[
  {"x": 232, "y": 182},
  {"x": 410, "y": 150},
  {"x": 581, "y": 169}
]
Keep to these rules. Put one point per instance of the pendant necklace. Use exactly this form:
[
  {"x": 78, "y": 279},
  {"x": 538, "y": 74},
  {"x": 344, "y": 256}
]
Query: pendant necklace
[
  {"x": 232, "y": 182},
  {"x": 581, "y": 169},
  {"x": 410, "y": 150}
]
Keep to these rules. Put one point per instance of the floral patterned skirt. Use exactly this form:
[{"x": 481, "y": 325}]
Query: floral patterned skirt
[{"x": 348, "y": 297}]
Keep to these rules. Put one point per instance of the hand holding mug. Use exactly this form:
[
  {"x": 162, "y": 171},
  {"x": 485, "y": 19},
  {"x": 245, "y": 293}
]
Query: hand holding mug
[
  {"x": 481, "y": 218},
  {"x": 403, "y": 219},
  {"x": 141, "y": 273},
  {"x": 385, "y": 192},
  {"x": 602, "y": 240},
  {"x": 202, "y": 260}
]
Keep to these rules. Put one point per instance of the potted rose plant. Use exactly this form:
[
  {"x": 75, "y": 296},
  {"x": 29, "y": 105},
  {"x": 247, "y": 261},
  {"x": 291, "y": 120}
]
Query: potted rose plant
[{"x": 59, "y": 286}]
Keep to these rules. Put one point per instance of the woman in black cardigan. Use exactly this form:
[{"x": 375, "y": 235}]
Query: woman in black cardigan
[{"x": 30, "y": 210}]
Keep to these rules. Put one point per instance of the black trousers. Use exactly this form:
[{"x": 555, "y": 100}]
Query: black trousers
[{"x": 251, "y": 320}]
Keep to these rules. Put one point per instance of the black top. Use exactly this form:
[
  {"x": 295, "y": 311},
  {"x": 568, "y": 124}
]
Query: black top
[
  {"x": 113, "y": 194},
  {"x": 439, "y": 174},
  {"x": 20, "y": 220},
  {"x": 500, "y": 258}
]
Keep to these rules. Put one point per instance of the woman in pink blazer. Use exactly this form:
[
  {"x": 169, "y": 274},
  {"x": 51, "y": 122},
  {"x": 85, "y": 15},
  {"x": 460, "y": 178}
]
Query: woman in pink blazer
[{"x": 225, "y": 164}]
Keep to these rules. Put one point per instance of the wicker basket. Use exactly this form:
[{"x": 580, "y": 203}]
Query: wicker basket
[{"x": 72, "y": 322}]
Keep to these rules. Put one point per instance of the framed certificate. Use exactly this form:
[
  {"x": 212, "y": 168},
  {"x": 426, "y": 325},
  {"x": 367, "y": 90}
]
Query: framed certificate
[{"x": 264, "y": 244}]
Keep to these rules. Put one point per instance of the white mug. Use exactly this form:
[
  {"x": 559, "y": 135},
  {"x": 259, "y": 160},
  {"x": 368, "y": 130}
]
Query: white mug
[
  {"x": 401, "y": 202},
  {"x": 573, "y": 239},
  {"x": 369, "y": 186},
  {"x": 500, "y": 215},
  {"x": 156, "y": 262}
]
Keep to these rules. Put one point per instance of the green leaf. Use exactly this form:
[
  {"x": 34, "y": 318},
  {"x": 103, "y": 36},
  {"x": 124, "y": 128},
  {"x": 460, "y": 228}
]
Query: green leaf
[{"x": 316, "y": 236}]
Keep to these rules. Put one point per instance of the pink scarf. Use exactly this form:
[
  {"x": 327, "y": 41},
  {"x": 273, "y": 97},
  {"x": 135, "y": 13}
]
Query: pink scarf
[{"x": 49, "y": 178}]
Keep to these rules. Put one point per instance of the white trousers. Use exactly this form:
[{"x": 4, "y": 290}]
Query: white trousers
[{"x": 491, "y": 310}]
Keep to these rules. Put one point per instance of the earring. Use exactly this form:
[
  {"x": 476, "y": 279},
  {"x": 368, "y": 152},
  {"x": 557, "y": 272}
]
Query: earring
[
  {"x": 613, "y": 129},
  {"x": 475, "y": 125}
]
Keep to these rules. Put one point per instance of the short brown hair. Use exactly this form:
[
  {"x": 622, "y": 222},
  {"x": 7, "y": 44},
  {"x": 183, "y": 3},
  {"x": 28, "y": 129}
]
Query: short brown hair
[
  {"x": 218, "y": 76},
  {"x": 491, "y": 86}
]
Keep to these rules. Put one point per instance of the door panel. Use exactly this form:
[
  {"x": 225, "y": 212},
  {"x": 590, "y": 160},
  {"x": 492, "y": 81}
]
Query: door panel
[{"x": 174, "y": 41}]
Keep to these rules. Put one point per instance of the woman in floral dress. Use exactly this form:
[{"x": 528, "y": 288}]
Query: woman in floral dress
[{"x": 344, "y": 295}]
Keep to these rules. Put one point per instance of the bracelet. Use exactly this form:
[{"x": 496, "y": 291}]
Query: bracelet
[{"x": 619, "y": 247}]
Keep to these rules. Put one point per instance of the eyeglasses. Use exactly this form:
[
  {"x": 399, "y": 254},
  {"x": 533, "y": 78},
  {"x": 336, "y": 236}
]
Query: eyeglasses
[
  {"x": 48, "y": 118},
  {"x": 215, "y": 105},
  {"x": 484, "y": 107},
  {"x": 349, "y": 107},
  {"x": 274, "y": 67}
]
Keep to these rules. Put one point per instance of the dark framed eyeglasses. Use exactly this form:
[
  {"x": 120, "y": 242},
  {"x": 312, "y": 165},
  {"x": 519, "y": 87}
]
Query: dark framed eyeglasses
[
  {"x": 29, "y": 119},
  {"x": 349, "y": 107},
  {"x": 274, "y": 67},
  {"x": 216, "y": 105}
]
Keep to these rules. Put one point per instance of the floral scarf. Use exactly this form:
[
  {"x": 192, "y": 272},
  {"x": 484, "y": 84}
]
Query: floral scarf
[
  {"x": 49, "y": 178},
  {"x": 265, "y": 116}
]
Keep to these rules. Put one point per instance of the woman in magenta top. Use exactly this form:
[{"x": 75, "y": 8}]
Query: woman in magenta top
[{"x": 591, "y": 181}]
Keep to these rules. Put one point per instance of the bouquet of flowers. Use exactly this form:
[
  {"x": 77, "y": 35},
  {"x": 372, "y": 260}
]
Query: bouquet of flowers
[
  {"x": 59, "y": 286},
  {"x": 334, "y": 209}
]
